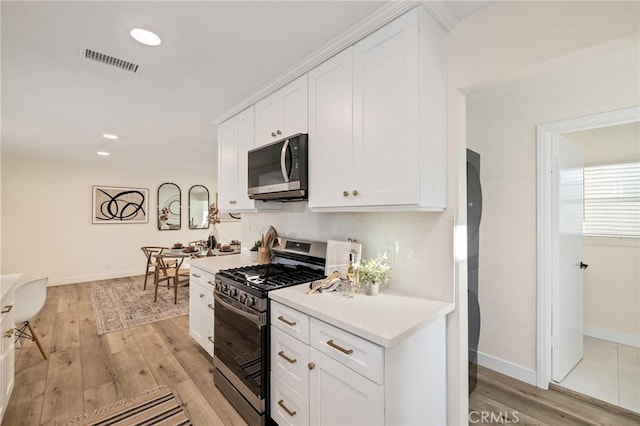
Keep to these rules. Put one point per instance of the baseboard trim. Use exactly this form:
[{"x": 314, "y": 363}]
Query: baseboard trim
[
  {"x": 507, "y": 368},
  {"x": 93, "y": 277},
  {"x": 612, "y": 335}
]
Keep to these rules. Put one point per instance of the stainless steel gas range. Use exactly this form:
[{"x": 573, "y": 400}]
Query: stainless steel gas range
[{"x": 241, "y": 331}]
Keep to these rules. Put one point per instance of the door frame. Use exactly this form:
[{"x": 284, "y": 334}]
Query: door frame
[{"x": 546, "y": 218}]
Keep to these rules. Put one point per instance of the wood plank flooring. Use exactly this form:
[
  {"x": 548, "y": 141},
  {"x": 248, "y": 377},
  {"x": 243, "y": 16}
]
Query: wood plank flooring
[
  {"x": 86, "y": 371},
  {"x": 505, "y": 400}
]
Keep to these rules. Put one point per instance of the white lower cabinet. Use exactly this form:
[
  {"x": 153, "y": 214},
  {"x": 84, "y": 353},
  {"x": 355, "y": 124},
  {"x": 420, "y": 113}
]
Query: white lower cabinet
[
  {"x": 309, "y": 387},
  {"x": 201, "y": 319},
  {"x": 340, "y": 396},
  {"x": 324, "y": 375},
  {"x": 7, "y": 355}
]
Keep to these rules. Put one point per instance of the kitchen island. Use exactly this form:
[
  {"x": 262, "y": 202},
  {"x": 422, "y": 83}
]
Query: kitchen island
[{"x": 369, "y": 359}]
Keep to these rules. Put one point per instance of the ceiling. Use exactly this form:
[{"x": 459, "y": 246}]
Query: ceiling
[{"x": 57, "y": 104}]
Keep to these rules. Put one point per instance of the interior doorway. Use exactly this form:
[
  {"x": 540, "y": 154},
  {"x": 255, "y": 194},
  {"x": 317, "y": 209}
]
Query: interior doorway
[{"x": 604, "y": 369}]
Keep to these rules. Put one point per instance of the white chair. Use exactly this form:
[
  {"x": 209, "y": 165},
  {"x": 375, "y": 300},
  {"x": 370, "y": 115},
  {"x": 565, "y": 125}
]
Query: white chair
[{"x": 29, "y": 299}]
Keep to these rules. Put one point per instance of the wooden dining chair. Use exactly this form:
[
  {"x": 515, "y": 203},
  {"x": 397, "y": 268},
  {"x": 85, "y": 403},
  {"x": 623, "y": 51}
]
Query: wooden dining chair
[
  {"x": 169, "y": 269},
  {"x": 151, "y": 267}
]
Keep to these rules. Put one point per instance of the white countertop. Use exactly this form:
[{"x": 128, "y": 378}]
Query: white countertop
[
  {"x": 213, "y": 264},
  {"x": 385, "y": 319}
]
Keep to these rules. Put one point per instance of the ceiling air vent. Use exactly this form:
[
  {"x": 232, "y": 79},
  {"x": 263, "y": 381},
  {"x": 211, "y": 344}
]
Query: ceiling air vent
[{"x": 110, "y": 60}]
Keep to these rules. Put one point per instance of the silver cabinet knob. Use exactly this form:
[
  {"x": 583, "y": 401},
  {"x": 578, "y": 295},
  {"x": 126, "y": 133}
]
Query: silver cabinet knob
[
  {"x": 345, "y": 193},
  {"x": 355, "y": 192},
  {"x": 273, "y": 134},
  {"x": 278, "y": 132}
]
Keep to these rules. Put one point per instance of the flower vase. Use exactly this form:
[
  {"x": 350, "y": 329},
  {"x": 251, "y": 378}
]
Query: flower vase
[
  {"x": 213, "y": 238},
  {"x": 372, "y": 289}
]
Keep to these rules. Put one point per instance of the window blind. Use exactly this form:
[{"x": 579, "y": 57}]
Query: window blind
[{"x": 612, "y": 200}]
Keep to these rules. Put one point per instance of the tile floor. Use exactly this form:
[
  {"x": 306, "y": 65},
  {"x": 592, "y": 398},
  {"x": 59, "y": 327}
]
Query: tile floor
[{"x": 608, "y": 371}]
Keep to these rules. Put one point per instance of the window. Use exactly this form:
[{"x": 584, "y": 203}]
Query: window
[{"x": 612, "y": 200}]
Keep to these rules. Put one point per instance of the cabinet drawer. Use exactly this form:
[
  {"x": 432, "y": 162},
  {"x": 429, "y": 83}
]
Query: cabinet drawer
[
  {"x": 359, "y": 354},
  {"x": 289, "y": 360},
  {"x": 291, "y": 321},
  {"x": 287, "y": 406},
  {"x": 197, "y": 276}
]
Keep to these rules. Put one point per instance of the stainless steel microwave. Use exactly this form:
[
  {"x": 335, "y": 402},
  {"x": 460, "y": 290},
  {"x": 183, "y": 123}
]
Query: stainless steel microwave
[{"x": 278, "y": 171}]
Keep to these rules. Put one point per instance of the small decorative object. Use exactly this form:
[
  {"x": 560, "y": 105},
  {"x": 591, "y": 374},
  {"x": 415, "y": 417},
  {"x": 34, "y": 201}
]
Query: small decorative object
[
  {"x": 374, "y": 273},
  {"x": 254, "y": 250},
  {"x": 264, "y": 251},
  {"x": 164, "y": 216},
  {"x": 214, "y": 220}
]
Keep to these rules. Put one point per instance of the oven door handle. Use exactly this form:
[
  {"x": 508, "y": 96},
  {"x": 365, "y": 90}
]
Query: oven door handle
[
  {"x": 283, "y": 161},
  {"x": 257, "y": 319}
]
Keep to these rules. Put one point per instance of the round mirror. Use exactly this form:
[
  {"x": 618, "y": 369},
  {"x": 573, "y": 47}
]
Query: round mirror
[
  {"x": 169, "y": 206},
  {"x": 198, "y": 207}
]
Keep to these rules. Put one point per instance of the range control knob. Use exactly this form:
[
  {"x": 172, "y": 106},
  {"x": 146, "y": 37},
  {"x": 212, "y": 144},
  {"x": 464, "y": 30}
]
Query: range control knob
[
  {"x": 243, "y": 298},
  {"x": 251, "y": 301},
  {"x": 233, "y": 292},
  {"x": 225, "y": 288}
]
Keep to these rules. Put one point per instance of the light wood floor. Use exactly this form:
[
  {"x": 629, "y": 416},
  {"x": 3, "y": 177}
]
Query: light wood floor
[
  {"x": 86, "y": 371},
  {"x": 502, "y": 395}
]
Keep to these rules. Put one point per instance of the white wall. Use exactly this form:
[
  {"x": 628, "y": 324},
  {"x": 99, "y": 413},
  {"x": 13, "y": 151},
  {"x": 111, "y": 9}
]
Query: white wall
[
  {"x": 502, "y": 128},
  {"x": 46, "y": 219},
  {"x": 612, "y": 281}
]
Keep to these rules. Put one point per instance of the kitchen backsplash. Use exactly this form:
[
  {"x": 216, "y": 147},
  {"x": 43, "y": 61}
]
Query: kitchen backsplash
[{"x": 409, "y": 239}]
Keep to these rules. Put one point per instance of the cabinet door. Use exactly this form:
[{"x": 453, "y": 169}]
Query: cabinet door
[
  {"x": 246, "y": 141},
  {"x": 331, "y": 132},
  {"x": 340, "y": 396},
  {"x": 293, "y": 108},
  {"x": 386, "y": 114},
  {"x": 197, "y": 306},
  {"x": 208, "y": 321},
  {"x": 267, "y": 120},
  {"x": 227, "y": 165}
]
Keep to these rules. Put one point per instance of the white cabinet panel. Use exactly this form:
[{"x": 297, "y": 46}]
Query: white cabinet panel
[
  {"x": 340, "y": 396},
  {"x": 287, "y": 406},
  {"x": 289, "y": 359},
  {"x": 331, "y": 132},
  {"x": 235, "y": 139},
  {"x": 291, "y": 321},
  {"x": 200, "y": 308},
  {"x": 283, "y": 113},
  {"x": 385, "y": 120}
]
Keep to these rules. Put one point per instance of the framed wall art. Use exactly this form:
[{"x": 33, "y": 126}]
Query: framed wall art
[{"x": 115, "y": 204}]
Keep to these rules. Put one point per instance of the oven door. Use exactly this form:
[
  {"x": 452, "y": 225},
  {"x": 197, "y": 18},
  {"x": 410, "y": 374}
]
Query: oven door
[{"x": 240, "y": 336}]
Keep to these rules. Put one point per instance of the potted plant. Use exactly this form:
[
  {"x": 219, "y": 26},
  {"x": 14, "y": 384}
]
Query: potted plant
[
  {"x": 254, "y": 250},
  {"x": 374, "y": 273}
]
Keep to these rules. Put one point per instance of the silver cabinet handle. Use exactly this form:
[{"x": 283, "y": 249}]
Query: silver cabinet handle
[
  {"x": 195, "y": 275},
  {"x": 6, "y": 309},
  {"x": 210, "y": 306},
  {"x": 289, "y": 360}
]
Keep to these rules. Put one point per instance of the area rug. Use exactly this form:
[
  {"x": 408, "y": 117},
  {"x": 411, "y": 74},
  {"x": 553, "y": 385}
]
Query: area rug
[
  {"x": 156, "y": 406},
  {"x": 126, "y": 305}
]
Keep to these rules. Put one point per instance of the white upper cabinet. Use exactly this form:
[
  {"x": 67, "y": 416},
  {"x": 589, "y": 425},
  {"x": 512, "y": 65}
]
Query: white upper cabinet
[
  {"x": 377, "y": 121},
  {"x": 331, "y": 130},
  {"x": 282, "y": 114},
  {"x": 235, "y": 139}
]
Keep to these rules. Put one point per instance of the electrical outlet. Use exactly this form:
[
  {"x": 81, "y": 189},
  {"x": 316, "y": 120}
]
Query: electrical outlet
[{"x": 391, "y": 249}]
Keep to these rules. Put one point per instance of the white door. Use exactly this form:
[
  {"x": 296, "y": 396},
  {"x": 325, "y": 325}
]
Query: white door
[
  {"x": 386, "y": 105},
  {"x": 227, "y": 164},
  {"x": 294, "y": 106},
  {"x": 340, "y": 396},
  {"x": 331, "y": 132},
  {"x": 567, "y": 316},
  {"x": 267, "y": 119},
  {"x": 246, "y": 142}
]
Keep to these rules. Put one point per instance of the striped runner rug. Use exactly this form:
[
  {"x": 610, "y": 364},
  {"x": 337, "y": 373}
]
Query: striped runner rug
[{"x": 156, "y": 406}]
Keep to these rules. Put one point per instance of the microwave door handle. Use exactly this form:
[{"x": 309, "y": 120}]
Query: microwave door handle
[{"x": 283, "y": 161}]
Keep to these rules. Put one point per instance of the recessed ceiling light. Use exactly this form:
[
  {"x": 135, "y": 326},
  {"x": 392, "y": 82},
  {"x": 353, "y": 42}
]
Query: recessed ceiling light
[
  {"x": 103, "y": 153},
  {"x": 109, "y": 136},
  {"x": 145, "y": 37}
]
